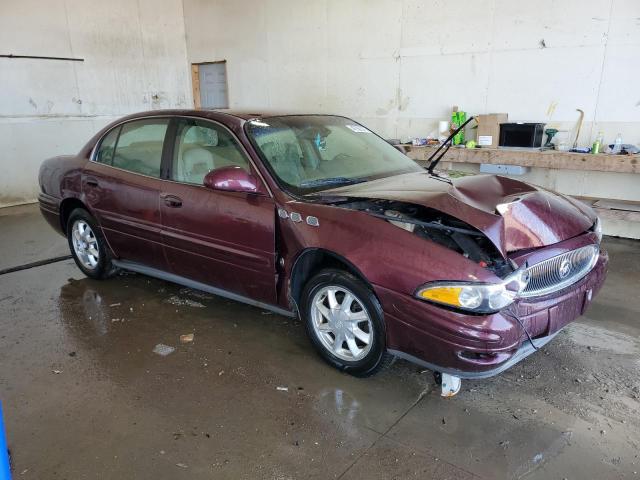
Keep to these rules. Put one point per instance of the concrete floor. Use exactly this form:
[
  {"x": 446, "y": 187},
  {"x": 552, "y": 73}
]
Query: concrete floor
[{"x": 85, "y": 396}]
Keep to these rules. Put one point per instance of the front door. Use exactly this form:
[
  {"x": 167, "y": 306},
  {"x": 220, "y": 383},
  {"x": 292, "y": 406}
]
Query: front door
[
  {"x": 222, "y": 239},
  {"x": 122, "y": 188}
]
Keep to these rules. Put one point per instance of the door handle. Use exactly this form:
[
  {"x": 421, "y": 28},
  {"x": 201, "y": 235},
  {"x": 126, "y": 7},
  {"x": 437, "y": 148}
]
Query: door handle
[
  {"x": 91, "y": 182},
  {"x": 172, "y": 201}
]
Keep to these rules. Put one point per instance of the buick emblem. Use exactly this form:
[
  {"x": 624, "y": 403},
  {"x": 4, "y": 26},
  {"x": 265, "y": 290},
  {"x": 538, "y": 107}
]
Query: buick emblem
[{"x": 565, "y": 268}]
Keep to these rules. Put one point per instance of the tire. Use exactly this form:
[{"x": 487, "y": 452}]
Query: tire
[
  {"x": 85, "y": 244},
  {"x": 350, "y": 322}
]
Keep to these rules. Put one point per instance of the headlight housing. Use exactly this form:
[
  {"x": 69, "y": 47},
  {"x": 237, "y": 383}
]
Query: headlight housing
[
  {"x": 597, "y": 228},
  {"x": 474, "y": 296}
]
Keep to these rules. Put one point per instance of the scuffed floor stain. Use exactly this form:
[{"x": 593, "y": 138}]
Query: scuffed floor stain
[{"x": 591, "y": 336}]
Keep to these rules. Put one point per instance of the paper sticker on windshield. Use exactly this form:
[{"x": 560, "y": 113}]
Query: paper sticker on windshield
[{"x": 357, "y": 128}]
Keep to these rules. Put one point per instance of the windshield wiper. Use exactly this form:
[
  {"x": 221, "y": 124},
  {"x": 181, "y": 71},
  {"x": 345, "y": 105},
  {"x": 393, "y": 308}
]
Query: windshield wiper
[
  {"x": 446, "y": 145},
  {"x": 322, "y": 182}
]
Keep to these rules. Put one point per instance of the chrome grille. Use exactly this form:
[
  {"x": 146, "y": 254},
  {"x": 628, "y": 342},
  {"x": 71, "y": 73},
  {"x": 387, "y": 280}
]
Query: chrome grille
[{"x": 560, "y": 271}]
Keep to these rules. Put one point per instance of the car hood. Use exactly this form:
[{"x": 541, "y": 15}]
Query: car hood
[{"x": 512, "y": 214}]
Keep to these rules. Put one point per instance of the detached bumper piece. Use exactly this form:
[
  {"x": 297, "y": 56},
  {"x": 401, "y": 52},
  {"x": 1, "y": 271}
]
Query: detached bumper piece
[{"x": 450, "y": 385}]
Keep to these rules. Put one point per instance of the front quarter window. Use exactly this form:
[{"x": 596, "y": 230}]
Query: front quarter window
[
  {"x": 107, "y": 147},
  {"x": 310, "y": 153}
]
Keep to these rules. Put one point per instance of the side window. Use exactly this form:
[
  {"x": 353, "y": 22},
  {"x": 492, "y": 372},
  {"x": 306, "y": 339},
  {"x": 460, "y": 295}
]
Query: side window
[
  {"x": 139, "y": 147},
  {"x": 201, "y": 147},
  {"x": 107, "y": 147}
]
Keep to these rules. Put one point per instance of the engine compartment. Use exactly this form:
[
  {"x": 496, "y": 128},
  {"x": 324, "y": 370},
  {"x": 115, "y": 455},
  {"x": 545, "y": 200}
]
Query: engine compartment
[{"x": 437, "y": 227}]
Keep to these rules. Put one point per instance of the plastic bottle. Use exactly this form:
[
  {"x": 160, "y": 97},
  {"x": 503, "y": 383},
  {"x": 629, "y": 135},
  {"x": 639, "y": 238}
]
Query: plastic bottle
[
  {"x": 597, "y": 145},
  {"x": 617, "y": 146}
]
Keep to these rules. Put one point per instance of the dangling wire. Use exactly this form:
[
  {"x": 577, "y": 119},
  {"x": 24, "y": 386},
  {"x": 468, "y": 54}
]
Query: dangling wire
[{"x": 513, "y": 315}]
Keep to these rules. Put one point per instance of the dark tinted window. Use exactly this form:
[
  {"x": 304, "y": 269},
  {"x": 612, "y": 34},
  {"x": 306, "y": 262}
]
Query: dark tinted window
[
  {"x": 107, "y": 147},
  {"x": 139, "y": 147},
  {"x": 201, "y": 147}
]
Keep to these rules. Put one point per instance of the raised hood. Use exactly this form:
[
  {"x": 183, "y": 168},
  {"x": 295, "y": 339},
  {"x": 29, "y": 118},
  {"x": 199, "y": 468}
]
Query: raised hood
[{"x": 512, "y": 214}]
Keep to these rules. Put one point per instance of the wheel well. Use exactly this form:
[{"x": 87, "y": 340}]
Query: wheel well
[
  {"x": 310, "y": 262},
  {"x": 67, "y": 206}
]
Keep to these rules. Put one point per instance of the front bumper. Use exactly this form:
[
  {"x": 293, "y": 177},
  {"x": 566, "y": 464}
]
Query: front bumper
[{"x": 479, "y": 346}]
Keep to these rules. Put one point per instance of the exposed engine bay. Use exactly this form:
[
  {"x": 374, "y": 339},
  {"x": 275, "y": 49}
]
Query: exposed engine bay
[{"x": 439, "y": 228}]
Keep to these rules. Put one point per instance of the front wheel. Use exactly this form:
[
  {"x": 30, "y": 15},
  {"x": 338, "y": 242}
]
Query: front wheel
[{"x": 344, "y": 321}]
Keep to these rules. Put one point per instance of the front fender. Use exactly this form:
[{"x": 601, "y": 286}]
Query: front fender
[{"x": 382, "y": 253}]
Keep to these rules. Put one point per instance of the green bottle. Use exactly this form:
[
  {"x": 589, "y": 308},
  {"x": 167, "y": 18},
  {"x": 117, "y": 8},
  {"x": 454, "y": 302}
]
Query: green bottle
[{"x": 597, "y": 145}]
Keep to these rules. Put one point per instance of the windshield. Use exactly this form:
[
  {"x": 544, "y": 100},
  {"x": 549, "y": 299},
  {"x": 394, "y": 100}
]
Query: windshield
[{"x": 310, "y": 153}]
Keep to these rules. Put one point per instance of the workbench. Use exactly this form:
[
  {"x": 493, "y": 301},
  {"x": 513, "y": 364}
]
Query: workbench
[
  {"x": 533, "y": 158},
  {"x": 610, "y": 183}
]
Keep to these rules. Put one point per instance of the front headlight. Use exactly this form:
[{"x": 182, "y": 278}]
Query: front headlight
[{"x": 476, "y": 297}]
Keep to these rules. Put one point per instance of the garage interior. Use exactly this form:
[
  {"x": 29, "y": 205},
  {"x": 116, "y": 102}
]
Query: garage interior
[{"x": 239, "y": 393}]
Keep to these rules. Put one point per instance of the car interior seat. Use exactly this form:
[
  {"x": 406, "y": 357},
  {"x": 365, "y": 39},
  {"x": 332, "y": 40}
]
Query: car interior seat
[
  {"x": 196, "y": 162},
  {"x": 285, "y": 160},
  {"x": 139, "y": 157}
]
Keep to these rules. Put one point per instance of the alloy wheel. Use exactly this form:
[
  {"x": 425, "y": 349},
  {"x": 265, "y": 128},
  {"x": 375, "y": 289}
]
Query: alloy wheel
[
  {"x": 85, "y": 244},
  {"x": 342, "y": 323}
]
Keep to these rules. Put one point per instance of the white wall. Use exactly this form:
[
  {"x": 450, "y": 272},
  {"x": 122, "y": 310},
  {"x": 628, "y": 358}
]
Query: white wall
[
  {"x": 400, "y": 65},
  {"x": 134, "y": 59},
  {"x": 396, "y": 65}
]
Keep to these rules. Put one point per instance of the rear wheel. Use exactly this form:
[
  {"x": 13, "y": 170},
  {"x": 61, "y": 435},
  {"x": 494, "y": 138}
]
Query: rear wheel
[
  {"x": 87, "y": 245},
  {"x": 344, "y": 321}
]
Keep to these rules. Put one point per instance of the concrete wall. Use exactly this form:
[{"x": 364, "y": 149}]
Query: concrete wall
[
  {"x": 134, "y": 59},
  {"x": 396, "y": 65},
  {"x": 399, "y": 65}
]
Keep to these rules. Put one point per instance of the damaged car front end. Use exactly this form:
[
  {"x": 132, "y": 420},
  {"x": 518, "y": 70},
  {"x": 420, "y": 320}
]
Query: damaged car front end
[
  {"x": 539, "y": 259},
  {"x": 473, "y": 274}
]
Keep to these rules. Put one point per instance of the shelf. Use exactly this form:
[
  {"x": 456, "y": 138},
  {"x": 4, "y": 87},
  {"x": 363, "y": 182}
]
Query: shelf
[{"x": 532, "y": 158}]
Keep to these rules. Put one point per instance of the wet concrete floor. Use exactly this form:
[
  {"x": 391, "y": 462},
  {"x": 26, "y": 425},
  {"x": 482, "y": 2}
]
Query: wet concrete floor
[{"x": 85, "y": 396}]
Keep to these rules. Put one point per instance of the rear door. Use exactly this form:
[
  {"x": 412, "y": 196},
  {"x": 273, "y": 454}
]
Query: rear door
[
  {"x": 223, "y": 239},
  {"x": 122, "y": 188}
]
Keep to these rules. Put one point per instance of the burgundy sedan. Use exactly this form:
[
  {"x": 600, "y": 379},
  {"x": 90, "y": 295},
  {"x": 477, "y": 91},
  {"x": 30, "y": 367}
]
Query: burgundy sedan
[{"x": 318, "y": 217}]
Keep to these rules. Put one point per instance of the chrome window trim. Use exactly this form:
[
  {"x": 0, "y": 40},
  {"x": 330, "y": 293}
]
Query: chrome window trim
[
  {"x": 570, "y": 280},
  {"x": 194, "y": 117}
]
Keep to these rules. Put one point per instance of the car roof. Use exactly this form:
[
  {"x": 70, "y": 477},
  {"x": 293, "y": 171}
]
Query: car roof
[
  {"x": 216, "y": 114},
  {"x": 248, "y": 114}
]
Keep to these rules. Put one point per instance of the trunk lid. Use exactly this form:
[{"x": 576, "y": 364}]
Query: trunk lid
[{"x": 512, "y": 214}]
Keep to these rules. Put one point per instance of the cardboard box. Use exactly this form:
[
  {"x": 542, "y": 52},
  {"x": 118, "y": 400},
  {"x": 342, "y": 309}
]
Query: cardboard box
[{"x": 489, "y": 128}]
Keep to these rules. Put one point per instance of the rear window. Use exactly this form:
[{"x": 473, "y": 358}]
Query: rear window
[{"x": 139, "y": 146}]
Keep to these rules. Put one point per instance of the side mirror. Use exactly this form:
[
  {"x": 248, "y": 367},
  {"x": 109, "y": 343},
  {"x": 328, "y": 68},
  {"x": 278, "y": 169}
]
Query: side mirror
[{"x": 231, "y": 179}]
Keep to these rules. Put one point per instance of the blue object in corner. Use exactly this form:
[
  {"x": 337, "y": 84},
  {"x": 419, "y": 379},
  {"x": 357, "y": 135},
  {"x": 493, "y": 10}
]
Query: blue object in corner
[{"x": 5, "y": 472}]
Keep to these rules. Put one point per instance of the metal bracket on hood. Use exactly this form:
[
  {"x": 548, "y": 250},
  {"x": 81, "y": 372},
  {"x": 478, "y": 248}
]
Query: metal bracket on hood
[{"x": 503, "y": 208}]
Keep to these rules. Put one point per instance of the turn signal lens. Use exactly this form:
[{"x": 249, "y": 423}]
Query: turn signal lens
[{"x": 448, "y": 295}]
